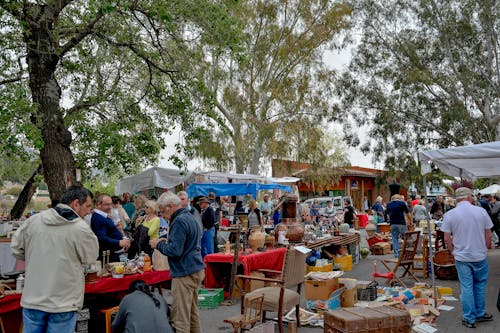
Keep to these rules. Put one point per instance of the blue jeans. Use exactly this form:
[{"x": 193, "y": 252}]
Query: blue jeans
[
  {"x": 473, "y": 277},
  {"x": 36, "y": 321},
  {"x": 396, "y": 231},
  {"x": 207, "y": 242}
]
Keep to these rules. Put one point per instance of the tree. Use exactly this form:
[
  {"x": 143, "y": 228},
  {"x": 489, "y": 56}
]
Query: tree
[
  {"x": 96, "y": 83},
  {"x": 424, "y": 74},
  {"x": 271, "y": 96}
]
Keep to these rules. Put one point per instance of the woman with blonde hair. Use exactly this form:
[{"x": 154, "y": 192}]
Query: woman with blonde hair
[
  {"x": 147, "y": 227},
  {"x": 254, "y": 215}
]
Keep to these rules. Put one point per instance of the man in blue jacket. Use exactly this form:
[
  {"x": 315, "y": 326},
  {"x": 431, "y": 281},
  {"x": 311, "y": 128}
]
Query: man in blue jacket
[
  {"x": 186, "y": 265},
  {"x": 109, "y": 235}
]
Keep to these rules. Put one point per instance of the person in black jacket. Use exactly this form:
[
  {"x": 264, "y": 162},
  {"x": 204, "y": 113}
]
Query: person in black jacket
[
  {"x": 142, "y": 311},
  {"x": 208, "y": 221}
]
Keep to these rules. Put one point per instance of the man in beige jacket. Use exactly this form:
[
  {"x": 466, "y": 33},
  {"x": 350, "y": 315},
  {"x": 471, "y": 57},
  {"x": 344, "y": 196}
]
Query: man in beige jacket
[{"x": 57, "y": 245}]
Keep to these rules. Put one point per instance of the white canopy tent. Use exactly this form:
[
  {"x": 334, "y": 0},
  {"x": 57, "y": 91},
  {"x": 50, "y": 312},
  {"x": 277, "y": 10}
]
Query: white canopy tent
[
  {"x": 470, "y": 162},
  {"x": 150, "y": 179},
  {"x": 492, "y": 189}
]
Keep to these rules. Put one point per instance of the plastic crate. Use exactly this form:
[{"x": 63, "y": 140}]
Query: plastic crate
[
  {"x": 345, "y": 262},
  {"x": 210, "y": 298},
  {"x": 326, "y": 268},
  {"x": 369, "y": 293}
]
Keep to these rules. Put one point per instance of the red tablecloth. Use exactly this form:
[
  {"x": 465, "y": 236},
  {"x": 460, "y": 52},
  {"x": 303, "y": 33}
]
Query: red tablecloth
[
  {"x": 104, "y": 285},
  {"x": 363, "y": 220},
  {"x": 271, "y": 259}
]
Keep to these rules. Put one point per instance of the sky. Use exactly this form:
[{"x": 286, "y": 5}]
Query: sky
[{"x": 335, "y": 60}]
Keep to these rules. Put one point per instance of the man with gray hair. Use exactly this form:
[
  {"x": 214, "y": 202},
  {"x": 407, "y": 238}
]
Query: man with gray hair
[
  {"x": 186, "y": 266},
  {"x": 467, "y": 233}
]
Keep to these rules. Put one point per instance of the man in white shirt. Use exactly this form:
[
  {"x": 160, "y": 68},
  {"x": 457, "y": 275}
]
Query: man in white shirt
[{"x": 467, "y": 233}]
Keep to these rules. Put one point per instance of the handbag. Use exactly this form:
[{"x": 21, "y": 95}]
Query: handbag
[{"x": 160, "y": 261}]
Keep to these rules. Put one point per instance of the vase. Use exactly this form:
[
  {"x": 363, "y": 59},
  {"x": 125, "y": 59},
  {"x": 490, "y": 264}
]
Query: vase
[{"x": 257, "y": 238}]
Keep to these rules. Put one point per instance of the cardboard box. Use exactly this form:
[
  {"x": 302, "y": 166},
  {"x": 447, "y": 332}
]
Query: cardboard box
[{"x": 320, "y": 289}]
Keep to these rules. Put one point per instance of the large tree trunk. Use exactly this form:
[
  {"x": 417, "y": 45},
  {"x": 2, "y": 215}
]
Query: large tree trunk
[
  {"x": 56, "y": 156},
  {"x": 25, "y": 196}
]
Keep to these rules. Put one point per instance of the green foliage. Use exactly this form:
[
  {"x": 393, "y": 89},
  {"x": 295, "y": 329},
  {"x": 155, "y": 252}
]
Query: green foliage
[
  {"x": 270, "y": 96},
  {"x": 101, "y": 183},
  {"x": 14, "y": 190},
  {"x": 125, "y": 73},
  {"x": 424, "y": 74}
]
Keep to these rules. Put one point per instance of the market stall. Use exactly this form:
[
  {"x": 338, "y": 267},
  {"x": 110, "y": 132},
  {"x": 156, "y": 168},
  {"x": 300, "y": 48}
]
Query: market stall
[
  {"x": 230, "y": 189},
  {"x": 219, "y": 264},
  {"x": 149, "y": 179},
  {"x": 469, "y": 162},
  {"x": 10, "y": 307}
]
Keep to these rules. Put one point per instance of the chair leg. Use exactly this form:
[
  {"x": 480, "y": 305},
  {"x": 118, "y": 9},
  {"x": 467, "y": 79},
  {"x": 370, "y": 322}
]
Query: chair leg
[{"x": 297, "y": 314}]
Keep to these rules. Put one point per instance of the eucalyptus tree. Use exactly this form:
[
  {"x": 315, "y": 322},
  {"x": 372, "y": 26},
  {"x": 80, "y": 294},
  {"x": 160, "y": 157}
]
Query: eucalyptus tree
[
  {"x": 424, "y": 74},
  {"x": 270, "y": 98},
  {"x": 97, "y": 83}
]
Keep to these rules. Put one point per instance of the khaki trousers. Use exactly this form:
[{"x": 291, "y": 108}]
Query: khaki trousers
[{"x": 185, "y": 316}]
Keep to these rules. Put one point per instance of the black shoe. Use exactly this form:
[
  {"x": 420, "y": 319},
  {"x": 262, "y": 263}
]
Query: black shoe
[
  {"x": 468, "y": 324},
  {"x": 486, "y": 317}
]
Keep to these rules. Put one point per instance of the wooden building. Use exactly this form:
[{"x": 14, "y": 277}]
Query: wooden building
[{"x": 363, "y": 185}]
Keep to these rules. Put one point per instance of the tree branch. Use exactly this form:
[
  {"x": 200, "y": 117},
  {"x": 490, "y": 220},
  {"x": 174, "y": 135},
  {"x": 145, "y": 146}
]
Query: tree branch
[
  {"x": 13, "y": 9},
  {"x": 62, "y": 50}
]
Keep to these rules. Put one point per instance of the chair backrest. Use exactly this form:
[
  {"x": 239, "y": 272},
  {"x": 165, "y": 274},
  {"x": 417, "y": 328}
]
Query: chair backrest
[
  {"x": 253, "y": 309},
  {"x": 294, "y": 267},
  {"x": 410, "y": 247}
]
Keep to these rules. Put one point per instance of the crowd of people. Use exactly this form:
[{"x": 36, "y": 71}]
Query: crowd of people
[
  {"x": 57, "y": 245},
  {"x": 467, "y": 224}
]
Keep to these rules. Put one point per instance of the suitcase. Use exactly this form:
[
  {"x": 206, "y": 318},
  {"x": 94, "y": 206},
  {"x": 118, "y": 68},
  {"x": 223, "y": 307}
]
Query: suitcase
[
  {"x": 381, "y": 248},
  {"x": 367, "y": 320},
  {"x": 401, "y": 320}
]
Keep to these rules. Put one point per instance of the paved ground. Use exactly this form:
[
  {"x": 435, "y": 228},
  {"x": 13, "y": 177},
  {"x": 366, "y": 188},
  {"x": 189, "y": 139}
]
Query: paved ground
[{"x": 212, "y": 320}]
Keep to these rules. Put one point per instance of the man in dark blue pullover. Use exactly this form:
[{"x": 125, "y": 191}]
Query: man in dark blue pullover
[{"x": 184, "y": 257}]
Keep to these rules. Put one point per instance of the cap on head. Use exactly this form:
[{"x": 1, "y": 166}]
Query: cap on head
[
  {"x": 203, "y": 199},
  {"x": 462, "y": 192}
]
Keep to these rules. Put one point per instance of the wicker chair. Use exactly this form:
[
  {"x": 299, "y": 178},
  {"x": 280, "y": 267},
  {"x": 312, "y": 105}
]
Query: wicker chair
[{"x": 278, "y": 297}]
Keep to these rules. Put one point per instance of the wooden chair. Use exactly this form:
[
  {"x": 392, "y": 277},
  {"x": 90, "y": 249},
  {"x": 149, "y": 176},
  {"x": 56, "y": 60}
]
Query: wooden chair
[
  {"x": 278, "y": 297},
  {"x": 108, "y": 313},
  {"x": 252, "y": 314},
  {"x": 420, "y": 260},
  {"x": 406, "y": 257}
]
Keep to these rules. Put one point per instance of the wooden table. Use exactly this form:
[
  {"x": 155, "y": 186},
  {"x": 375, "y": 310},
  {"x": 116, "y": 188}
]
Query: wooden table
[
  {"x": 10, "y": 306},
  {"x": 215, "y": 275},
  {"x": 345, "y": 239}
]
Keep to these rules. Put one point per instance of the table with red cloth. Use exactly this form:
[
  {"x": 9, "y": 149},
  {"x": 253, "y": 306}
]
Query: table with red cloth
[
  {"x": 11, "y": 303},
  {"x": 363, "y": 220},
  {"x": 270, "y": 259}
]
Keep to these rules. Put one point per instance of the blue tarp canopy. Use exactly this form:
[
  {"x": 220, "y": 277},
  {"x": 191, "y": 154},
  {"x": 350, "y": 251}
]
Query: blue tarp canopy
[{"x": 228, "y": 189}]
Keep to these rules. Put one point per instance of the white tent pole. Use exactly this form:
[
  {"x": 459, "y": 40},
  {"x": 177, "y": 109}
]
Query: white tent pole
[{"x": 429, "y": 237}]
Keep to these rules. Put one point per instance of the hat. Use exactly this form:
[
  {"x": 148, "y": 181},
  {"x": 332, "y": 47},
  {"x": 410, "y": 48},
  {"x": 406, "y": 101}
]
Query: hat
[
  {"x": 463, "y": 192},
  {"x": 203, "y": 199}
]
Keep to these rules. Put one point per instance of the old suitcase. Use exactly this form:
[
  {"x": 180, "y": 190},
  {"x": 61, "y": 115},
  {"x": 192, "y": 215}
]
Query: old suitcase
[
  {"x": 367, "y": 320},
  {"x": 381, "y": 248},
  {"x": 401, "y": 320}
]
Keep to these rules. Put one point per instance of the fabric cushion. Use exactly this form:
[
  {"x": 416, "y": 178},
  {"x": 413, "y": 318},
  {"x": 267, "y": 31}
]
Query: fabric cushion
[{"x": 272, "y": 298}]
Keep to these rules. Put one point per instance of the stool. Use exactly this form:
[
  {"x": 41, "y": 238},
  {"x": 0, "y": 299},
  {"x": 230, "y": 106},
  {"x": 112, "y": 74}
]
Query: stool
[{"x": 108, "y": 312}]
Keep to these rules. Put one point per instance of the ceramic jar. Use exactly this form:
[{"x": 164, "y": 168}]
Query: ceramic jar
[{"x": 257, "y": 238}]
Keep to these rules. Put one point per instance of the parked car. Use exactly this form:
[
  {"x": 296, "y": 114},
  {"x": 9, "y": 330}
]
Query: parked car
[{"x": 338, "y": 203}]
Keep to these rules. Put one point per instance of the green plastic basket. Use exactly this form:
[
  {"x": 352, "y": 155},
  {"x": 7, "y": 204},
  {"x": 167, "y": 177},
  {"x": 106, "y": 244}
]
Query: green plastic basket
[{"x": 210, "y": 298}]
